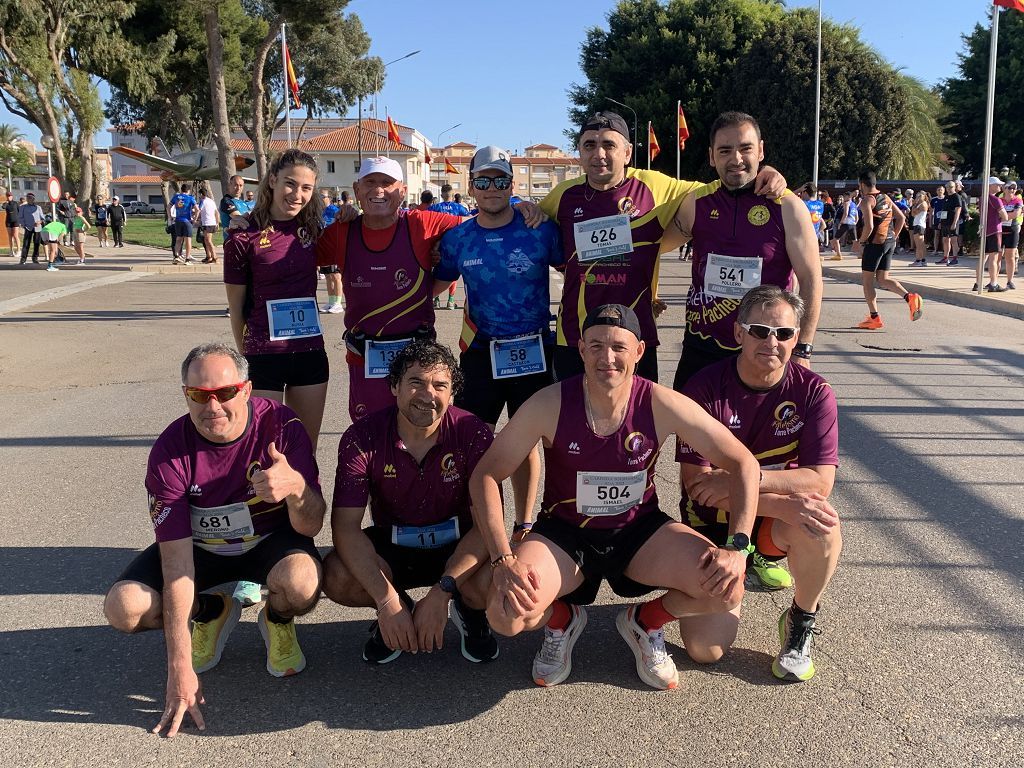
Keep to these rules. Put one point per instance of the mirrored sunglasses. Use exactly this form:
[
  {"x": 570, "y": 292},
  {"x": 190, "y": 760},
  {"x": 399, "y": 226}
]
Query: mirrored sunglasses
[
  {"x": 202, "y": 395},
  {"x": 500, "y": 183},
  {"x": 759, "y": 331}
]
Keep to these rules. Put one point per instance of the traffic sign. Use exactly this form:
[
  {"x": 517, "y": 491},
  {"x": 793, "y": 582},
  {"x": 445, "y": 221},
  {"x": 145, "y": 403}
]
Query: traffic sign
[{"x": 53, "y": 189}]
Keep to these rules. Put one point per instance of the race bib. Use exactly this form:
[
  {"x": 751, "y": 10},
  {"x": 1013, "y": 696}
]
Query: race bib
[
  {"x": 379, "y": 355},
  {"x": 730, "y": 277},
  {"x": 215, "y": 526},
  {"x": 602, "y": 494},
  {"x": 520, "y": 356},
  {"x": 603, "y": 237},
  {"x": 426, "y": 536},
  {"x": 293, "y": 319},
  {"x": 940, "y": 215}
]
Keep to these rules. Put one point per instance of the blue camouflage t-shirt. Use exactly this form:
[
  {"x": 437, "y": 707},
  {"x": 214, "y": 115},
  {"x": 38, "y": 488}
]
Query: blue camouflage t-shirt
[{"x": 505, "y": 271}]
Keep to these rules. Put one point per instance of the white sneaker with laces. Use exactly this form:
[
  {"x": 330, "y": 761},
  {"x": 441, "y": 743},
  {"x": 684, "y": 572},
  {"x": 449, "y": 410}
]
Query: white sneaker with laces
[
  {"x": 653, "y": 663},
  {"x": 553, "y": 662}
]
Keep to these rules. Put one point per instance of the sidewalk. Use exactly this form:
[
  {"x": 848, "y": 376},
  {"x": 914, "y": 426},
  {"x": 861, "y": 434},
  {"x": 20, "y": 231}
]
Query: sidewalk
[
  {"x": 951, "y": 285},
  {"x": 135, "y": 258}
]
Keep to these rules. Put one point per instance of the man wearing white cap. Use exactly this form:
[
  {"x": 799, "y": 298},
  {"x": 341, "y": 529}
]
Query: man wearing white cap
[
  {"x": 385, "y": 262},
  {"x": 994, "y": 234}
]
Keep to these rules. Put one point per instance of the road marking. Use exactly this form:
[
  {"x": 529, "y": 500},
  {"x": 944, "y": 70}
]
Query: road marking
[{"x": 41, "y": 297}]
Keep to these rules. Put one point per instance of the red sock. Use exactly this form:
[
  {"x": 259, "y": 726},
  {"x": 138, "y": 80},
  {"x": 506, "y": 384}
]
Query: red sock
[
  {"x": 560, "y": 616},
  {"x": 652, "y": 615}
]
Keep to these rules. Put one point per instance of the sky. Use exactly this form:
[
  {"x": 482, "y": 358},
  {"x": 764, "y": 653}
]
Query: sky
[{"x": 502, "y": 71}]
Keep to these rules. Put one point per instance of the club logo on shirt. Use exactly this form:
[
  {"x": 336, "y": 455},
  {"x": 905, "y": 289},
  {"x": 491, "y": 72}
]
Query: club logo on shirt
[
  {"x": 449, "y": 469},
  {"x": 402, "y": 280},
  {"x": 389, "y": 472},
  {"x": 304, "y": 237},
  {"x": 635, "y": 442},
  {"x": 518, "y": 262},
  {"x": 787, "y": 420},
  {"x": 361, "y": 282},
  {"x": 265, "y": 237},
  {"x": 758, "y": 215},
  {"x": 360, "y": 410},
  {"x": 628, "y": 207},
  {"x": 158, "y": 511}
]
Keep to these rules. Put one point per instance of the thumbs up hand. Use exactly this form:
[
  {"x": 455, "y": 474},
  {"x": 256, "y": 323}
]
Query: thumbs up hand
[{"x": 278, "y": 481}]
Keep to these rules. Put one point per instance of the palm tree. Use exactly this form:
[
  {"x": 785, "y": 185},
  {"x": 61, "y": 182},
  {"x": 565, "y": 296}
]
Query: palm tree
[
  {"x": 9, "y": 134},
  {"x": 925, "y": 145}
]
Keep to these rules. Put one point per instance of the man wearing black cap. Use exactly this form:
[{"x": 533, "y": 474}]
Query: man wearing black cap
[
  {"x": 600, "y": 517},
  {"x": 612, "y": 222}
]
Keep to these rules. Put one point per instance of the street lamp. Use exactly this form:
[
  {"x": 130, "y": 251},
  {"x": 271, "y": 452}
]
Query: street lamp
[
  {"x": 636, "y": 141},
  {"x": 49, "y": 142},
  {"x": 10, "y": 164},
  {"x": 442, "y": 133},
  {"x": 380, "y": 85},
  {"x": 376, "y": 88}
]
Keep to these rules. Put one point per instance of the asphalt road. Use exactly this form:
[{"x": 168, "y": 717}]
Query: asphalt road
[{"x": 921, "y": 660}]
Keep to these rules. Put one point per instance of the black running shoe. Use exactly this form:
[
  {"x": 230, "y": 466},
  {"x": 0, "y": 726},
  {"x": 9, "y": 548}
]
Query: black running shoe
[
  {"x": 376, "y": 651},
  {"x": 478, "y": 642}
]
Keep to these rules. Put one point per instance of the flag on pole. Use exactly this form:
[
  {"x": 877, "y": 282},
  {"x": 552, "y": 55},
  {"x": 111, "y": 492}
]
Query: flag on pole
[
  {"x": 449, "y": 168},
  {"x": 684, "y": 132},
  {"x": 426, "y": 156},
  {"x": 393, "y": 131},
  {"x": 653, "y": 150},
  {"x": 293, "y": 83},
  {"x": 1017, "y": 5}
]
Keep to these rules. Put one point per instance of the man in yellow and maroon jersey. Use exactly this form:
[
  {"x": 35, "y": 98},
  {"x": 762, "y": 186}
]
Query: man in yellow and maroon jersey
[{"x": 612, "y": 222}]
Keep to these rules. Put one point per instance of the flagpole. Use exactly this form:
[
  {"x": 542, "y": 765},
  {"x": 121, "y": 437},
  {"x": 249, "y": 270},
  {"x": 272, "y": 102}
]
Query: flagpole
[
  {"x": 679, "y": 151},
  {"x": 648, "y": 145},
  {"x": 989, "y": 108},
  {"x": 287, "y": 86},
  {"x": 817, "y": 102},
  {"x": 387, "y": 122}
]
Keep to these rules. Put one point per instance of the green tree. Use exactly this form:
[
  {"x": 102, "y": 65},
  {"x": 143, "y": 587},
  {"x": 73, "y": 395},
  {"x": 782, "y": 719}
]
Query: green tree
[{"x": 964, "y": 98}]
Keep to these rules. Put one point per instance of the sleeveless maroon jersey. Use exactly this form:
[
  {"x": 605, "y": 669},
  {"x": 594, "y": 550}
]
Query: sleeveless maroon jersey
[
  {"x": 603, "y": 469},
  {"x": 387, "y": 293}
]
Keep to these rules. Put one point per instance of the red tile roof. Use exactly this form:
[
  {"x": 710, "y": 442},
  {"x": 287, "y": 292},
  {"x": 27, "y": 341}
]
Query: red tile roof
[
  {"x": 136, "y": 180},
  {"x": 339, "y": 140},
  {"x": 541, "y": 146}
]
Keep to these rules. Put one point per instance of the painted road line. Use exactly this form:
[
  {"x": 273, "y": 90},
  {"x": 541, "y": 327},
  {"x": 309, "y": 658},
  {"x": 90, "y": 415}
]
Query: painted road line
[{"x": 41, "y": 297}]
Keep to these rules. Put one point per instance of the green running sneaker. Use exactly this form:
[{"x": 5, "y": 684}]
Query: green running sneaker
[
  {"x": 794, "y": 660},
  {"x": 770, "y": 574}
]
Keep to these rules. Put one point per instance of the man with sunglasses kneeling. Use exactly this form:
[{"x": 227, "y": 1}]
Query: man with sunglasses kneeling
[
  {"x": 234, "y": 494},
  {"x": 786, "y": 416}
]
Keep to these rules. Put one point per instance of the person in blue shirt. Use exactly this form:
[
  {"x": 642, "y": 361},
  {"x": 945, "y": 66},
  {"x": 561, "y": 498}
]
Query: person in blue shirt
[
  {"x": 506, "y": 333},
  {"x": 183, "y": 213},
  {"x": 233, "y": 204},
  {"x": 809, "y": 194},
  {"x": 331, "y": 208},
  {"x": 455, "y": 208}
]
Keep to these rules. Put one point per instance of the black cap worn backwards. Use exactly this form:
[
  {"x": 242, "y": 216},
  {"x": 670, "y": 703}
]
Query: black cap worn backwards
[
  {"x": 617, "y": 315},
  {"x": 606, "y": 121}
]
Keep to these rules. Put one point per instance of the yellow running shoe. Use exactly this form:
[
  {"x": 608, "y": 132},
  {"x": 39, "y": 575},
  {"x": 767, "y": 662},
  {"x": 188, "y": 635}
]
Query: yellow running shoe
[
  {"x": 284, "y": 656},
  {"x": 770, "y": 574},
  {"x": 209, "y": 638}
]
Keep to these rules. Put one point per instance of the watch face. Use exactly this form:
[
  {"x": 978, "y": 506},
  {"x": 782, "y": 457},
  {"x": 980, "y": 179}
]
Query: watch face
[
  {"x": 447, "y": 584},
  {"x": 740, "y": 541}
]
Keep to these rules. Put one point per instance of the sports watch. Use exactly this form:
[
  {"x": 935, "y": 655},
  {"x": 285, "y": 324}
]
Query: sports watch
[
  {"x": 447, "y": 584},
  {"x": 739, "y": 542},
  {"x": 803, "y": 350}
]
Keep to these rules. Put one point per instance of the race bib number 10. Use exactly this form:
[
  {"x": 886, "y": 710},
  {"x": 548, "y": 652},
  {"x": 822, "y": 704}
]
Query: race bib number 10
[
  {"x": 603, "y": 237},
  {"x": 293, "y": 319}
]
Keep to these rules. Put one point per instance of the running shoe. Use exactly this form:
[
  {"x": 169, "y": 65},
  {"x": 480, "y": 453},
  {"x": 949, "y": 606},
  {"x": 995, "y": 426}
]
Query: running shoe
[
  {"x": 943, "y": 262},
  {"x": 452, "y": 304},
  {"x": 208, "y": 638},
  {"x": 437, "y": 303},
  {"x": 1010, "y": 286},
  {"x": 835, "y": 257},
  {"x": 769, "y": 574},
  {"x": 478, "y": 642},
  {"x": 871, "y": 323},
  {"x": 553, "y": 662},
  {"x": 51, "y": 268},
  {"x": 994, "y": 288},
  {"x": 284, "y": 656},
  {"x": 653, "y": 663},
  {"x": 175, "y": 260},
  {"x": 914, "y": 302},
  {"x": 336, "y": 309},
  {"x": 794, "y": 660},
  {"x": 247, "y": 593},
  {"x": 954, "y": 262},
  {"x": 376, "y": 651}
]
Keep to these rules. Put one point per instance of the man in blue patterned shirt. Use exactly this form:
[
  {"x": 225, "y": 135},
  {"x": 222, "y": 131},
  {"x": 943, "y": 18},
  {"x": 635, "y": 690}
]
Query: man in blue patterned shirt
[{"x": 506, "y": 331}]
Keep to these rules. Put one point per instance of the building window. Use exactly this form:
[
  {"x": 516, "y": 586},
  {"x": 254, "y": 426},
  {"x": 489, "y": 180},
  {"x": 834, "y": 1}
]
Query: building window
[
  {"x": 456, "y": 185},
  {"x": 522, "y": 185},
  {"x": 355, "y": 166},
  {"x": 522, "y": 169},
  {"x": 15, "y": 184},
  {"x": 330, "y": 166}
]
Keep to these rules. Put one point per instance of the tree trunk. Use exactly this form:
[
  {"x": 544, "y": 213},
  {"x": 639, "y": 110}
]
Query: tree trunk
[
  {"x": 257, "y": 92},
  {"x": 218, "y": 95}
]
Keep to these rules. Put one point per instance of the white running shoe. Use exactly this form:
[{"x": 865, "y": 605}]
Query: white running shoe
[
  {"x": 653, "y": 664},
  {"x": 553, "y": 661}
]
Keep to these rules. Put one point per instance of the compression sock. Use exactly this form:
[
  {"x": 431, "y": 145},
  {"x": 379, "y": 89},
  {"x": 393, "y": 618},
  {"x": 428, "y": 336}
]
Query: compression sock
[
  {"x": 874, "y": 315},
  {"x": 560, "y": 616},
  {"x": 906, "y": 297},
  {"x": 799, "y": 613},
  {"x": 652, "y": 615},
  {"x": 275, "y": 617},
  {"x": 208, "y": 608}
]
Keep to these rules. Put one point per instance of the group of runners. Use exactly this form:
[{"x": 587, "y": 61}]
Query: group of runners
[{"x": 233, "y": 485}]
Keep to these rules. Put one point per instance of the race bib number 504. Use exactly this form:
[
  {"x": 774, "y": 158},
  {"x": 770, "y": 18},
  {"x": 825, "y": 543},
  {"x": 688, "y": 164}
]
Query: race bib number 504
[{"x": 601, "y": 494}]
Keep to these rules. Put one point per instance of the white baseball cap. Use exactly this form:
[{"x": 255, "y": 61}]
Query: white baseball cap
[
  {"x": 994, "y": 180},
  {"x": 384, "y": 165}
]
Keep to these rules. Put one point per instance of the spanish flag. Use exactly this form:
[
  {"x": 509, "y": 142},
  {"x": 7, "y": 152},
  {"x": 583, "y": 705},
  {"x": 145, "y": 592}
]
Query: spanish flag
[
  {"x": 653, "y": 150},
  {"x": 1017, "y": 5},
  {"x": 293, "y": 83},
  {"x": 448, "y": 167},
  {"x": 684, "y": 132},
  {"x": 393, "y": 131},
  {"x": 426, "y": 156}
]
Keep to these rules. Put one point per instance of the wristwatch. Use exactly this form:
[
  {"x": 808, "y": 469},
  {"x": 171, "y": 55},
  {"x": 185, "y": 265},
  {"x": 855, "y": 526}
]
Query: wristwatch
[
  {"x": 447, "y": 584},
  {"x": 803, "y": 350},
  {"x": 739, "y": 542}
]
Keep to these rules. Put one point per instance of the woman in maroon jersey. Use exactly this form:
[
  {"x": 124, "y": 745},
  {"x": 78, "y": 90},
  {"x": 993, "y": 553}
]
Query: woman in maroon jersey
[{"x": 271, "y": 282}]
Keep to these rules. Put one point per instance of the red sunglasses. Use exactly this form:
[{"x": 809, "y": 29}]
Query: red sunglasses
[{"x": 202, "y": 395}]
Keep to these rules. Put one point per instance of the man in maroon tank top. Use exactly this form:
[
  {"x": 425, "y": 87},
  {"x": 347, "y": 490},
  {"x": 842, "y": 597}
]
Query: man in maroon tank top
[{"x": 602, "y": 433}]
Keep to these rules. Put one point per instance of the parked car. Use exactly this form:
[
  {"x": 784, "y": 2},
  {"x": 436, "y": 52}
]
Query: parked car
[{"x": 138, "y": 206}]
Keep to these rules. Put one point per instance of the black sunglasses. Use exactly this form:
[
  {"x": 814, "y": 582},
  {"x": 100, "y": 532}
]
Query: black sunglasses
[
  {"x": 500, "y": 183},
  {"x": 759, "y": 331}
]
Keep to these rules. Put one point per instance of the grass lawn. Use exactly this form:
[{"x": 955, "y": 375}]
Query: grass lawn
[{"x": 147, "y": 230}]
